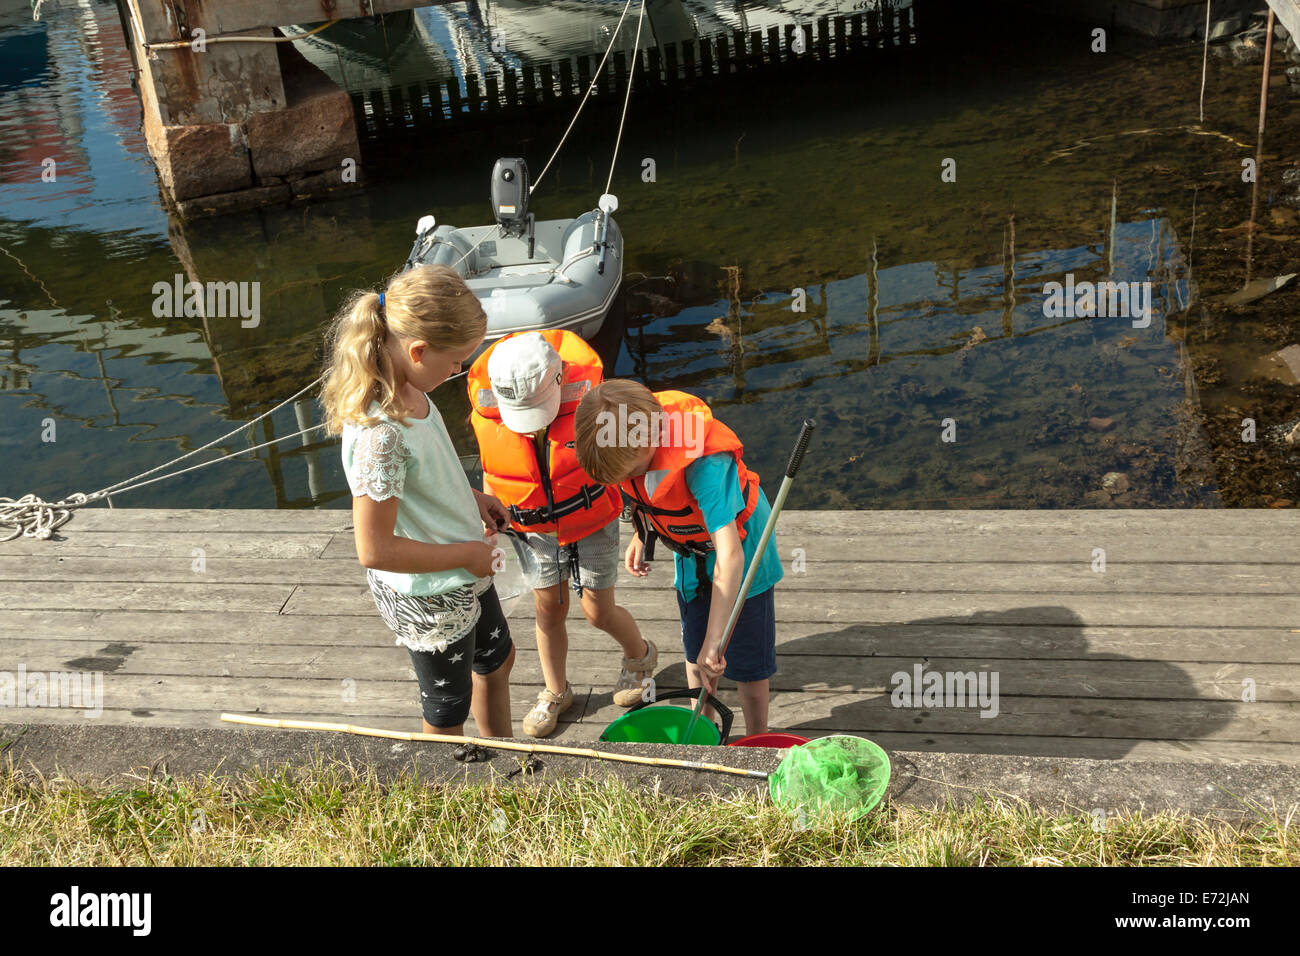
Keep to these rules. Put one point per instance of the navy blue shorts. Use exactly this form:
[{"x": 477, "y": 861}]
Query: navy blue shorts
[{"x": 751, "y": 655}]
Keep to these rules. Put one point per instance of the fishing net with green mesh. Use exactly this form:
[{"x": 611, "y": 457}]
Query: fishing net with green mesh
[{"x": 838, "y": 774}]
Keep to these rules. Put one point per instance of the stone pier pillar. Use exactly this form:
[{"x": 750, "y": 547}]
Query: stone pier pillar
[{"x": 232, "y": 125}]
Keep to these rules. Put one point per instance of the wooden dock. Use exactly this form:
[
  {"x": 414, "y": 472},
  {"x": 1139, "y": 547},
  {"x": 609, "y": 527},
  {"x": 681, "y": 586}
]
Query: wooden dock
[{"x": 1149, "y": 659}]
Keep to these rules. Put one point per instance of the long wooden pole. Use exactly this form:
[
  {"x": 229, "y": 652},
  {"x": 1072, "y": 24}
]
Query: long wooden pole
[
  {"x": 1259, "y": 147},
  {"x": 488, "y": 742}
]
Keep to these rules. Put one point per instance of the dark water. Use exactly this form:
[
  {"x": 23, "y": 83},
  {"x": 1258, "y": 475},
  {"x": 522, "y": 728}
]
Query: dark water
[{"x": 924, "y": 298}]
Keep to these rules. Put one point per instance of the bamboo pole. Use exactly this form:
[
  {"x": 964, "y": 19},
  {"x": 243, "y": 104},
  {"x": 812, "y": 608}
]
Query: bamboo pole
[{"x": 488, "y": 742}]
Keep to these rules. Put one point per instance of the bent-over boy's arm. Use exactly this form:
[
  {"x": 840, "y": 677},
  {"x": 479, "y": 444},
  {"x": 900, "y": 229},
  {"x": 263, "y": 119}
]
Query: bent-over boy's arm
[
  {"x": 728, "y": 571},
  {"x": 378, "y": 548}
]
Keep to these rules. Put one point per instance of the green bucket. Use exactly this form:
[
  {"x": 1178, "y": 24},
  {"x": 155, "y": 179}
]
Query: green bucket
[{"x": 644, "y": 724}]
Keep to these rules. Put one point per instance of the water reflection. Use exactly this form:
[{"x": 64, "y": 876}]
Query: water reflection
[{"x": 922, "y": 319}]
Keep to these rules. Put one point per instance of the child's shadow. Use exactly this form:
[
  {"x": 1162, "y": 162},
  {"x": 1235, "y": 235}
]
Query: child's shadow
[{"x": 1054, "y": 697}]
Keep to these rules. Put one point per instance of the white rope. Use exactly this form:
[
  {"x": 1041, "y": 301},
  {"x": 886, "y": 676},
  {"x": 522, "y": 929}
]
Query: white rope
[
  {"x": 636, "y": 56},
  {"x": 583, "y": 102},
  {"x": 1205, "y": 57},
  {"x": 33, "y": 517}
]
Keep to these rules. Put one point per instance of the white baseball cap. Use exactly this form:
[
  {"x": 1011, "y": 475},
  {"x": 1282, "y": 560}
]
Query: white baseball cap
[{"x": 526, "y": 375}]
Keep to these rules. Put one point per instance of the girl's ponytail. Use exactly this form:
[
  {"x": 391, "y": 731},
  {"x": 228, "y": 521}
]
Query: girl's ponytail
[{"x": 430, "y": 303}]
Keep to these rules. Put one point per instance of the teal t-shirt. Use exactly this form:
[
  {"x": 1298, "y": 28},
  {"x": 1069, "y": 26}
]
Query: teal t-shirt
[{"x": 715, "y": 483}]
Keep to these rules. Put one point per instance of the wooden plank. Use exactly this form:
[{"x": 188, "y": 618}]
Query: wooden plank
[
  {"x": 226, "y": 544},
  {"x": 455, "y": 100},
  {"x": 164, "y": 598},
  {"x": 473, "y": 98},
  {"x": 126, "y": 694},
  {"x": 855, "y": 577},
  {"x": 421, "y": 112},
  {"x": 569, "y": 730},
  {"x": 850, "y": 712},
  {"x": 989, "y": 642},
  {"x": 493, "y": 93},
  {"x": 670, "y": 65},
  {"x": 512, "y": 88},
  {"x": 688, "y": 59},
  {"x": 530, "y": 84},
  {"x": 620, "y": 70},
  {"x": 1280, "y": 526},
  {"x": 1030, "y": 548},
  {"x": 811, "y": 674},
  {"x": 546, "y": 82},
  {"x": 1034, "y": 549},
  {"x": 1008, "y": 609},
  {"x": 707, "y": 69},
  {"x": 566, "y": 80},
  {"x": 358, "y": 99},
  {"x": 584, "y": 73}
]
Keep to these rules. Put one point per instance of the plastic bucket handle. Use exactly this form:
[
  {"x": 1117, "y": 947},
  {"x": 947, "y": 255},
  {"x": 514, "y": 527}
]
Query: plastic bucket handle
[{"x": 723, "y": 710}]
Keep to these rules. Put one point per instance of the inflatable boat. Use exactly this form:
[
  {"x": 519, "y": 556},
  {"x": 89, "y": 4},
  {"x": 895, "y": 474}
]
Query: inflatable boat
[{"x": 529, "y": 275}]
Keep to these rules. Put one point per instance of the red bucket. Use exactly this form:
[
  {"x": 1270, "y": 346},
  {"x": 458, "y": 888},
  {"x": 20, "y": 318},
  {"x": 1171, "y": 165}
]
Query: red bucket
[{"x": 778, "y": 741}]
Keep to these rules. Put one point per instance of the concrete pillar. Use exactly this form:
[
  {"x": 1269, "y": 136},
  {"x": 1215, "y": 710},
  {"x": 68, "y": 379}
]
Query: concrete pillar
[{"x": 233, "y": 125}]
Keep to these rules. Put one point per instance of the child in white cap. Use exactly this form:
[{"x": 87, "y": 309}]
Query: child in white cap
[{"x": 524, "y": 391}]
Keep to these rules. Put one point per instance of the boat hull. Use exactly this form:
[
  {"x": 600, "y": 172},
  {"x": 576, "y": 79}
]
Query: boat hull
[{"x": 559, "y": 287}]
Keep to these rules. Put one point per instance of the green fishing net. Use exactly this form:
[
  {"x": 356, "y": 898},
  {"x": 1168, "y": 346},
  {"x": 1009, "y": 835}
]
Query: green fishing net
[{"x": 840, "y": 774}]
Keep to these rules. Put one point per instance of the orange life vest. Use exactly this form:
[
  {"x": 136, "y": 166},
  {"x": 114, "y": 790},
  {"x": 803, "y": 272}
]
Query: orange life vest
[
  {"x": 560, "y": 498},
  {"x": 672, "y": 512}
]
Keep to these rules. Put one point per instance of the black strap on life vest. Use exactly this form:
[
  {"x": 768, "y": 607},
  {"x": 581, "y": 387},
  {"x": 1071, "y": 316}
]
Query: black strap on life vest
[
  {"x": 649, "y": 533},
  {"x": 550, "y": 513}
]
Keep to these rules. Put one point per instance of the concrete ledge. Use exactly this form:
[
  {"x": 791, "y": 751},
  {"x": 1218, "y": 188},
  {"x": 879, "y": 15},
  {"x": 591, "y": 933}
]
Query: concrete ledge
[{"x": 119, "y": 755}]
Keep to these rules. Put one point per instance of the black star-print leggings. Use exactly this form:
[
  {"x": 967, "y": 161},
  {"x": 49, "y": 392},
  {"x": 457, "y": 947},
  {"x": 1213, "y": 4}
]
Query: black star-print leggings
[{"x": 444, "y": 676}]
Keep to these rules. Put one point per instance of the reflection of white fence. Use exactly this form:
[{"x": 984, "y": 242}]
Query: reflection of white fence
[{"x": 661, "y": 70}]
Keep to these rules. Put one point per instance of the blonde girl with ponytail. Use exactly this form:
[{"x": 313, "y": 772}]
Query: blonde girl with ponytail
[{"x": 419, "y": 526}]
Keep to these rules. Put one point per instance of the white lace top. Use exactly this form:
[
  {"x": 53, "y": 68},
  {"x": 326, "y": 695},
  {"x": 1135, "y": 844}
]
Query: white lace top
[{"x": 417, "y": 464}]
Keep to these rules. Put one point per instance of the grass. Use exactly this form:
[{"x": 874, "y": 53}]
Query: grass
[{"x": 335, "y": 815}]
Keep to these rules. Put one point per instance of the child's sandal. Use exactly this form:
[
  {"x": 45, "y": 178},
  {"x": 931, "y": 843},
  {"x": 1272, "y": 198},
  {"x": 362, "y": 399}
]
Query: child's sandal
[
  {"x": 541, "y": 720},
  {"x": 632, "y": 679}
]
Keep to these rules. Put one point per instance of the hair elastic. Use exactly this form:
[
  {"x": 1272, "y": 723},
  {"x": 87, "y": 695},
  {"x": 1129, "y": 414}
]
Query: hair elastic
[{"x": 381, "y": 300}]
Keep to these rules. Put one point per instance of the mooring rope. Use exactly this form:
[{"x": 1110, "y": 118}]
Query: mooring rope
[
  {"x": 581, "y": 103},
  {"x": 32, "y": 517}
]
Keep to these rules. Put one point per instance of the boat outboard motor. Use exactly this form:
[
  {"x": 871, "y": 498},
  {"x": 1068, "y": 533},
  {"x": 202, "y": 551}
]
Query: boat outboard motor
[{"x": 510, "y": 199}]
